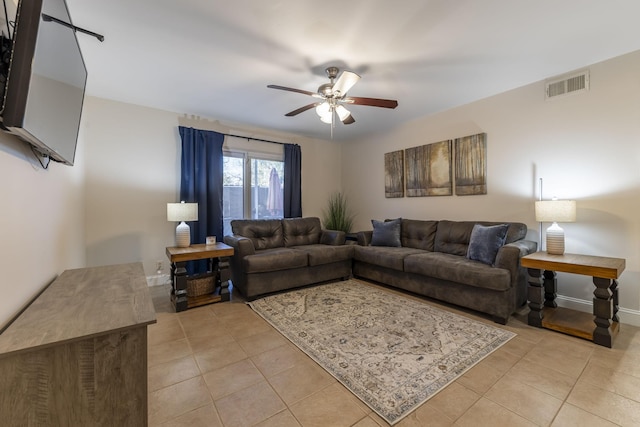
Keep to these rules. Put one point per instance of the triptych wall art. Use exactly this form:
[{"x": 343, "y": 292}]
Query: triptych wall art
[{"x": 429, "y": 170}]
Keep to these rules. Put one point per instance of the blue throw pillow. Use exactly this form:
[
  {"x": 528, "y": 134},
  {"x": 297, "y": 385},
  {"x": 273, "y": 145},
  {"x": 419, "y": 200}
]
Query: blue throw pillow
[
  {"x": 485, "y": 242},
  {"x": 386, "y": 233}
]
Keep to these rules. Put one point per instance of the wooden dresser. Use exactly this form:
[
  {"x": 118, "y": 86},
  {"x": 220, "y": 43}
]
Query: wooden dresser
[{"x": 77, "y": 356}]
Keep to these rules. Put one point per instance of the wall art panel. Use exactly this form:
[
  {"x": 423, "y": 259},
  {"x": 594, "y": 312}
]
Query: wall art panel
[
  {"x": 428, "y": 170},
  {"x": 394, "y": 174},
  {"x": 471, "y": 165}
]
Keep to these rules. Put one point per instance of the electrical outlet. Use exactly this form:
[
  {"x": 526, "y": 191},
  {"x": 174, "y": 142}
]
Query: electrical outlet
[{"x": 159, "y": 266}]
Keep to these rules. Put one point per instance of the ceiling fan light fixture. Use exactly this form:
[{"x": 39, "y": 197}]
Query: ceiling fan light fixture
[
  {"x": 343, "y": 113},
  {"x": 328, "y": 119},
  {"x": 323, "y": 109}
]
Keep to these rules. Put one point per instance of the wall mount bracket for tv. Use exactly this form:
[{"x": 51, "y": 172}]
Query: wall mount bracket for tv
[{"x": 48, "y": 18}]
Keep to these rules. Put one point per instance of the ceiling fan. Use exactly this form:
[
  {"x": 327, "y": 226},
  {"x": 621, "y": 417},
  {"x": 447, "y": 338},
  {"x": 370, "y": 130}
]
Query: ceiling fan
[{"x": 333, "y": 95}]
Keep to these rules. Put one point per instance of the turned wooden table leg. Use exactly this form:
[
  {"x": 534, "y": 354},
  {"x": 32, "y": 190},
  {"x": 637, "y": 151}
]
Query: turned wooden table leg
[
  {"x": 534, "y": 295},
  {"x": 603, "y": 310},
  {"x": 173, "y": 278},
  {"x": 224, "y": 274},
  {"x": 550, "y": 288},
  {"x": 180, "y": 285},
  {"x": 614, "y": 289}
]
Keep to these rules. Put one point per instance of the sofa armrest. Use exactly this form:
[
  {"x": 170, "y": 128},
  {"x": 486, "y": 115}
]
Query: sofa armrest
[
  {"x": 333, "y": 237},
  {"x": 509, "y": 255},
  {"x": 525, "y": 247},
  {"x": 364, "y": 237},
  {"x": 509, "y": 258},
  {"x": 242, "y": 246}
]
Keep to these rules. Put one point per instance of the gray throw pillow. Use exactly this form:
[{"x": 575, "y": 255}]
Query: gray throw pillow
[
  {"x": 386, "y": 233},
  {"x": 485, "y": 242}
]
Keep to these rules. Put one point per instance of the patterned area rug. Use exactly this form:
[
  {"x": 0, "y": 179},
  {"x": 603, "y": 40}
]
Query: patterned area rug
[{"x": 391, "y": 351}]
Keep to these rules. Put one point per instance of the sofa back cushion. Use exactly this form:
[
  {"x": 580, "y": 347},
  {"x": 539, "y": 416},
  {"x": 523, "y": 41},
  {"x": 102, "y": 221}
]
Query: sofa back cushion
[
  {"x": 452, "y": 237},
  {"x": 301, "y": 231},
  {"x": 264, "y": 233},
  {"x": 419, "y": 234}
]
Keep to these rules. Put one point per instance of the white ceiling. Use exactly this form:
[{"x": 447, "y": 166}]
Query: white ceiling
[{"x": 214, "y": 58}]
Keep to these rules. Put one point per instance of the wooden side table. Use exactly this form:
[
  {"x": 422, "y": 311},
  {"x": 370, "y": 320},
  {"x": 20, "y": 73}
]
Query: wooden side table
[
  {"x": 545, "y": 313},
  {"x": 218, "y": 254}
]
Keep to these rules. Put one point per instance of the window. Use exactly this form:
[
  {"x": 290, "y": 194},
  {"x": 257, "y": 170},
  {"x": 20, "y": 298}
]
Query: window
[{"x": 252, "y": 186}]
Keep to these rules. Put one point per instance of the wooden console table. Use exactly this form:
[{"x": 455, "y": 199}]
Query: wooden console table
[
  {"x": 545, "y": 313},
  {"x": 218, "y": 255},
  {"x": 77, "y": 356}
]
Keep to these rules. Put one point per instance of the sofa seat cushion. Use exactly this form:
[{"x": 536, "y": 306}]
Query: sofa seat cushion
[
  {"x": 389, "y": 257},
  {"x": 326, "y": 254},
  {"x": 458, "y": 269},
  {"x": 274, "y": 260}
]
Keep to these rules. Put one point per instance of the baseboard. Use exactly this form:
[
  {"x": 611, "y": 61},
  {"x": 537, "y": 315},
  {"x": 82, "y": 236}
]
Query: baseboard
[
  {"x": 158, "y": 280},
  {"x": 626, "y": 315}
]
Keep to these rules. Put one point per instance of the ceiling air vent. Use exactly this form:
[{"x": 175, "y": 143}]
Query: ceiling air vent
[{"x": 578, "y": 82}]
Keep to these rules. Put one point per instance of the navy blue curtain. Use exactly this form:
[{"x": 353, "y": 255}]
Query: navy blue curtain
[
  {"x": 201, "y": 183},
  {"x": 292, "y": 181}
]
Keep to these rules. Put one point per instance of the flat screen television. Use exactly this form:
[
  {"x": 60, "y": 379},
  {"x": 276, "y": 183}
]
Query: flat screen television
[{"x": 46, "y": 80}]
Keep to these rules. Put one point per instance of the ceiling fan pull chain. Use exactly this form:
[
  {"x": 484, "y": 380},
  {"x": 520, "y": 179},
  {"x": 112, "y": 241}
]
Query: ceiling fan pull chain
[{"x": 333, "y": 120}]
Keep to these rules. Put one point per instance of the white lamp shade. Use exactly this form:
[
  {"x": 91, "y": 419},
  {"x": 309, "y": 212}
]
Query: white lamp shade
[
  {"x": 556, "y": 211},
  {"x": 182, "y": 212}
]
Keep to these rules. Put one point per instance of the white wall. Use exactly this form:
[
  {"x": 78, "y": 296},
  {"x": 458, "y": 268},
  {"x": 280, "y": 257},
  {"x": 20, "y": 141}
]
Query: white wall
[
  {"x": 132, "y": 163},
  {"x": 42, "y": 223},
  {"x": 584, "y": 146},
  {"x": 133, "y": 170},
  {"x": 127, "y": 168}
]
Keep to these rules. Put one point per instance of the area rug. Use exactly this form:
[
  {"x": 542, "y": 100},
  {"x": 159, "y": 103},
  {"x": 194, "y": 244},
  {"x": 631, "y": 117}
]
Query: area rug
[{"x": 392, "y": 351}]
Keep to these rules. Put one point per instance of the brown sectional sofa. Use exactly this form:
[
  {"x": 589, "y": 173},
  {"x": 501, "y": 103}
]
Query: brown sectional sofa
[
  {"x": 432, "y": 261},
  {"x": 277, "y": 254}
]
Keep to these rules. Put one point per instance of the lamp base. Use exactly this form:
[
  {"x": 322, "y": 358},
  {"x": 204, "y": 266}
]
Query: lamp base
[
  {"x": 183, "y": 235},
  {"x": 555, "y": 239}
]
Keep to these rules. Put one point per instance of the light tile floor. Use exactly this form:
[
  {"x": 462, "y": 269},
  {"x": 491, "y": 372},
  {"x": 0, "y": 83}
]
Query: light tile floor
[{"x": 223, "y": 365}]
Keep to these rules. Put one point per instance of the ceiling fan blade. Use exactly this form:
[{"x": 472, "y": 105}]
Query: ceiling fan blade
[
  {"x": 373, "y": 102},
  {"x": 302, "y": 109},
  {"x": 349, "y": 120},
  {"x": 345, "y": 82},
  {"x": 290, "y": 89}
]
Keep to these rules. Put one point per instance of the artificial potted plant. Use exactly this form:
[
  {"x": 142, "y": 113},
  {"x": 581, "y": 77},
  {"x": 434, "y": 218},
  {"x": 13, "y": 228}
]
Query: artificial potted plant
[{"x": 338, "y": 215}]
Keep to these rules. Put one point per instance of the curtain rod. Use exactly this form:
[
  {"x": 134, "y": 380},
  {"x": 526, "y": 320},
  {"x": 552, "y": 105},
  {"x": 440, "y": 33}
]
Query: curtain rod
[{"x": 255, "y": 139}]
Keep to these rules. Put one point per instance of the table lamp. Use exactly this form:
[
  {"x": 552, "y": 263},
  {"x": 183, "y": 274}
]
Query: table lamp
[
  {"x": 181, "y": 212},
  {"x": 555, "y": 211}
]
